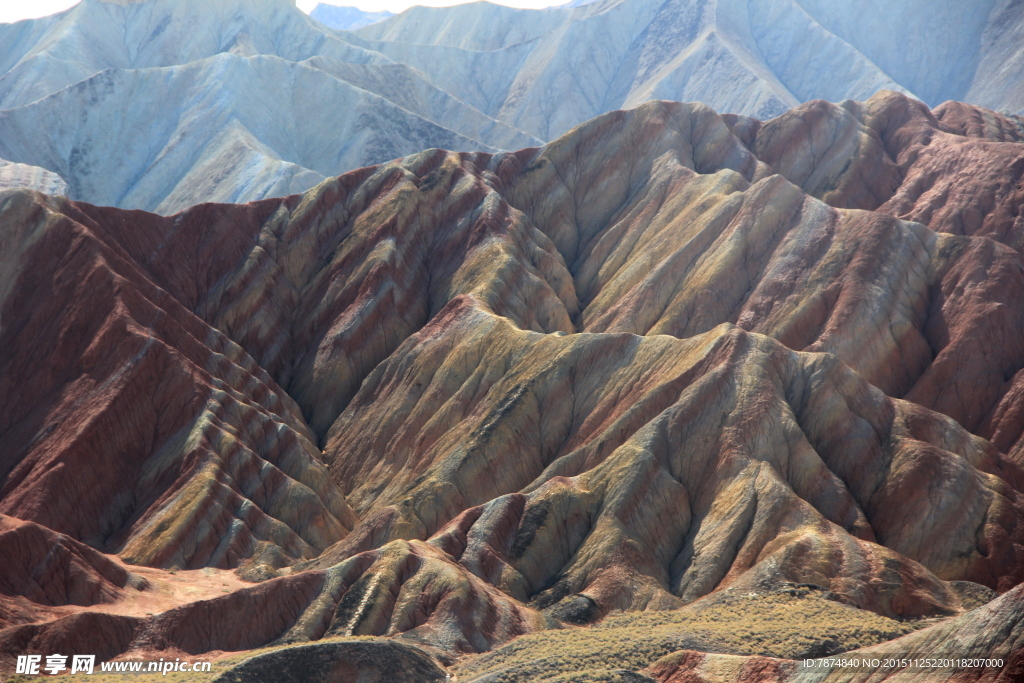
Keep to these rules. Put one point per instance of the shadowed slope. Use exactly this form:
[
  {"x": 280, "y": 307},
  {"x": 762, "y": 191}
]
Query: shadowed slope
[
  {"x": 43, "y": 568},
  {"x": 131, "y": 425},
  {"x": 363, "y": 661}
]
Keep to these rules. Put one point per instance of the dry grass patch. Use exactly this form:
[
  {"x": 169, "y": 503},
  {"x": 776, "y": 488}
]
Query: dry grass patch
[{"x": 775, "y": 624}]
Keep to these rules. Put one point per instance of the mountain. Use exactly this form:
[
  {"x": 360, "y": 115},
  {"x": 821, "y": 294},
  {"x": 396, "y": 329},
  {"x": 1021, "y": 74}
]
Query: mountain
[
  {"x": 676, "y": 384},
  {"x": 259, "y": 101},
  {"x": 240, "y": 100},
  {"x": 220, "y": 142},
  {"x": 752, "y": 58},
  {"x": 346, "y": 18}
]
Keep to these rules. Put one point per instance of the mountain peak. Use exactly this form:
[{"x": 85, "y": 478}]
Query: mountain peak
[{"x": 346, "y": 18}]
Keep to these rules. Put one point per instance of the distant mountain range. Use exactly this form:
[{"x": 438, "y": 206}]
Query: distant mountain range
[
  {"x": 351, "y": 18},
  {"x": 546, "y": 71},
  {"x": 160, "y": 104},
  {"x": 163, "y": 104},
  {"x": 346, "y": 18}
]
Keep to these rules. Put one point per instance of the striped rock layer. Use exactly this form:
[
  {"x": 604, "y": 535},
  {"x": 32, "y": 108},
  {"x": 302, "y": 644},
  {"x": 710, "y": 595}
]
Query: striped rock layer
[{"x": 667, "y": 354}]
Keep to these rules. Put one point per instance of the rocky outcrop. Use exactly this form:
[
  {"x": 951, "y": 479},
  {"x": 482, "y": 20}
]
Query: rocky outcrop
[
  {"x": 51, "y": 569},
  {"x": 413, "y": 590}
]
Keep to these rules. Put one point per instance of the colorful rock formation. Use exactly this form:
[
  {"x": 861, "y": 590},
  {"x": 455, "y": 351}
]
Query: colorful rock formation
[{"x": 461, "y": 397}]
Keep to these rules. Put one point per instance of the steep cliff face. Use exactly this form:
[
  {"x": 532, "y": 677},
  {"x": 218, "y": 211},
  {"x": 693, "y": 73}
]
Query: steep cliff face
[{"x": 461, "y": 397}]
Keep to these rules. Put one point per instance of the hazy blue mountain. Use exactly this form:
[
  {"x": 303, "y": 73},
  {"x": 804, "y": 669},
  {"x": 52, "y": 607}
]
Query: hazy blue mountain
[
  {"x": 205, "y": 131},
  {"x": 346, "y": 18},
  {"x": 161, "y": 104},
  {"x": 545, "y": 71}
]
